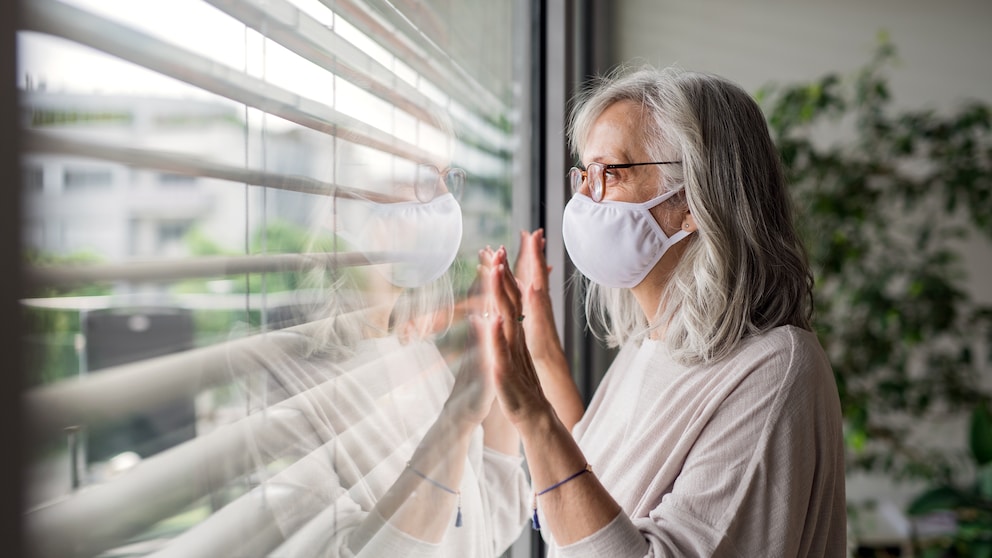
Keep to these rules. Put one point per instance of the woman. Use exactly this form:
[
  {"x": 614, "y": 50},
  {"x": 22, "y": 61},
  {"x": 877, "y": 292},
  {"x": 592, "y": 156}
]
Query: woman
[{"x": 717, "y": 430}]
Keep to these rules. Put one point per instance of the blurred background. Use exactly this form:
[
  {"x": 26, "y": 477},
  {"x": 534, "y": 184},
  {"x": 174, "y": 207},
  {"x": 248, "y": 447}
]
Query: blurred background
[{"x": 174, "y": 171}]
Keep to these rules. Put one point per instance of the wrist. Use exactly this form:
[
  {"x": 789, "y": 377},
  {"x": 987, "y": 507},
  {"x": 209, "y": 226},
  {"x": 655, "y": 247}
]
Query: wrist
[
  {"x": 538, "y": 422},
  {"x": 462, "y": 418},
  {"x": 552, "y": 358}
]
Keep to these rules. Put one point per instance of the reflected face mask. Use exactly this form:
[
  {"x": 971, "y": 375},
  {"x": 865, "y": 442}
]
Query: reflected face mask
[
  {"x": 420, "y": 240},
  {"x": 613, "y": 243}
]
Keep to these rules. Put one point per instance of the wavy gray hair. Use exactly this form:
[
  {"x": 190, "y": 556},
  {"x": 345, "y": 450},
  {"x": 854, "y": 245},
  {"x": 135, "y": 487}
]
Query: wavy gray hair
[{"x": 746, "y": 270}]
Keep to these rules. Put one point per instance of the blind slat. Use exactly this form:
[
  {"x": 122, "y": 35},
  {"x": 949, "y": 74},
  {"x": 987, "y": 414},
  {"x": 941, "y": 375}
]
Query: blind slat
[
  {"x": 93, "y": 520},
  {"x": 159, "y": 271},
  {"x": 55, "y": 18},
  {"x": 96, "y": 398},
  {"x": 406, "y": 42},
  {"x": 298, "y": 31},
  {"x": 307, "y": 37},
  {"x": 168, "y": 482},
  {"x": 190, "y": 165}
]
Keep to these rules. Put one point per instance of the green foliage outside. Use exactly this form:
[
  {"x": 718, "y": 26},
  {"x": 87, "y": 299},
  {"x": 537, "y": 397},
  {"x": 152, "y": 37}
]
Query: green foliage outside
[
  {"x": 51, "y": 333},
  {"x": 50, "y": 337},
  {"x": 276, "y": 238}
]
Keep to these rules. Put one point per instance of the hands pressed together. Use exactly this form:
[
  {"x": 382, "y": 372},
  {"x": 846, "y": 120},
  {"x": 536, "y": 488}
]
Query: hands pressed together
[
  {"x": 503, "y": 339},
  {"x": 517, "y": 355},
  {"x": 515, "y": 328}
]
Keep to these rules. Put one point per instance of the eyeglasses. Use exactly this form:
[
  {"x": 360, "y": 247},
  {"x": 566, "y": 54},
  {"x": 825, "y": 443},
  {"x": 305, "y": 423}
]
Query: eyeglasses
[
  {"x": 596, "y": 173},
  {"x": 428, "y": 180}
]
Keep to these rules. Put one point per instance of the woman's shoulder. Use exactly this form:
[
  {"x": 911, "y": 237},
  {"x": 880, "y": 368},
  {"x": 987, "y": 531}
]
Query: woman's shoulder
[
  {"x": 784, "y": 344},
  {"x": 789, "y": 358}
]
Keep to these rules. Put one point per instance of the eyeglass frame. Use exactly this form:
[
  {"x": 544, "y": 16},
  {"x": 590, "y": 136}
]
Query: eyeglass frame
[
  {"x": 597, "y": 194},
  {"x": 443, "y": 176}
]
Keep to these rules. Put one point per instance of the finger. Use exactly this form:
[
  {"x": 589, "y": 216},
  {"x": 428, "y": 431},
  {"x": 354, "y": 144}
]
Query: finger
[
  {"x": 520, "y": 255},
  {"x": 486, "y": 256},
  {"x": 510, "y": 282},
  {"x": 514, "y": 294},
  {"x": 512, "y": 287},
  {"x": 498, "y": 355},
  {"x": 504, "y": 305}
]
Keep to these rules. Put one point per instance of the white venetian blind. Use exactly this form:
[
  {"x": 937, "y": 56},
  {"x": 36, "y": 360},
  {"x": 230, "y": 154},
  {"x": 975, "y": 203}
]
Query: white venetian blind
[{"x": 195, "y": 174}]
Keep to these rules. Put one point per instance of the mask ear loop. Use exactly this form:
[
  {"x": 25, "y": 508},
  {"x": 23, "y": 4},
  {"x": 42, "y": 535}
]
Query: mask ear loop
[{"x": 675, "y": 238}]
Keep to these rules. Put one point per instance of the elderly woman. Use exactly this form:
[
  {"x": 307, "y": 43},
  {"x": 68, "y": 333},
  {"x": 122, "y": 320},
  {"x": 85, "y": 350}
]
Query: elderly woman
[{"x": 717, "y": 429}]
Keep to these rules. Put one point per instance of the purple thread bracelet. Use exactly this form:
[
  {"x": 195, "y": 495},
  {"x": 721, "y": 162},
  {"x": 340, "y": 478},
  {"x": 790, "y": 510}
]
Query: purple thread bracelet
[
  {"x": 458, "y": 493},
  {"x": 535, "y": 524}
]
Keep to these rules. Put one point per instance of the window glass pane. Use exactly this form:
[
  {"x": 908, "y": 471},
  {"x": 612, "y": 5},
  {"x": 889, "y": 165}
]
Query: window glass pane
[{"x": 252, "y": 230}]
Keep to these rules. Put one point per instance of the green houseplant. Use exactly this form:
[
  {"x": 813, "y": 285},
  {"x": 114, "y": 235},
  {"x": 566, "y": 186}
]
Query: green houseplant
[
  {"x": 970, "y": 504},
  {"x": 884, "y": 208}
]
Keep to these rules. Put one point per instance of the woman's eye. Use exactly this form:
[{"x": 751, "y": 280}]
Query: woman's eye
[{"x": 611, "y": 175}]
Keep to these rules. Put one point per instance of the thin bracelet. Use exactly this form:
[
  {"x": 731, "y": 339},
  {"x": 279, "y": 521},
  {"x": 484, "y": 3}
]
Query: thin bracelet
[
  {"x": 535, "y": 524},
  {"x": 458, "y": 493}
]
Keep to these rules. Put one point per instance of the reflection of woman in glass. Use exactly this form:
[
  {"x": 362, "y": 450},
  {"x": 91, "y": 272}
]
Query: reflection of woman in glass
[
  {"x": 422, "y": 477},
  {"x": 364, "y": 442}
]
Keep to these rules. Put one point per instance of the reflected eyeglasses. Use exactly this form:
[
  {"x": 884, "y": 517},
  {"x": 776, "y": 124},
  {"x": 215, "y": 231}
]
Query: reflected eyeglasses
[
  {"x": 429, "y": 180},
  {"x": 596, "y": 173}
]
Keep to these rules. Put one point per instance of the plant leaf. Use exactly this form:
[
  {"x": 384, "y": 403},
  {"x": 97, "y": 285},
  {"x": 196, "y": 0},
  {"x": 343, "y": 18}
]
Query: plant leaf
[
  {"x": 981, "y": 434},
  {"x": 984, "y": 483},
  {"x": 981, "y": 549},
  {"x": 937, "y": 499}
]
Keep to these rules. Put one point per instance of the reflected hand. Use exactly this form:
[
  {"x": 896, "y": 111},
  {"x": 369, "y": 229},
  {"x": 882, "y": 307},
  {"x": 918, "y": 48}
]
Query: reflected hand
[
  {"x": 532, "y": 273},
  {"x": 474, "y": 392}
]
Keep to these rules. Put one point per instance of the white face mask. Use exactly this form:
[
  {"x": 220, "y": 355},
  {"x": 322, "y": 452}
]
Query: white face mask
[
  {"x": 613, "y": 243},
  {"x": 420, "y": 239}
]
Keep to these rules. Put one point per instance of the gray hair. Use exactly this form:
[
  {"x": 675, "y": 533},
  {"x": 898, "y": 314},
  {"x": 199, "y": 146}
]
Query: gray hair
[{"x": 745, "y": 271}]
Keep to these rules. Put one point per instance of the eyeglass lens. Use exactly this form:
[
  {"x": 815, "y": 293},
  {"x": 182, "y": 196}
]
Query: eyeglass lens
[
  {"x": 593, "y": 173},
  {"x": 427, "y": 187}
]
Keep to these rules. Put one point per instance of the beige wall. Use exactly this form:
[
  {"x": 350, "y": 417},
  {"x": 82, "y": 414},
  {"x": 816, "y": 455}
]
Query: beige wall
[{"x": 945, "y": 47}]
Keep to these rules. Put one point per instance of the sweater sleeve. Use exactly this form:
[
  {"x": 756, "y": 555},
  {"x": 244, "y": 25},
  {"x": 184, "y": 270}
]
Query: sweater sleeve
[
  {"x": 761, "y": 478},
  {"x": 505, "y": 491}
]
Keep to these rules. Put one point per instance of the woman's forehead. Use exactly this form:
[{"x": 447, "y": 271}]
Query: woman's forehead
[{"x": 616, "y": 133}]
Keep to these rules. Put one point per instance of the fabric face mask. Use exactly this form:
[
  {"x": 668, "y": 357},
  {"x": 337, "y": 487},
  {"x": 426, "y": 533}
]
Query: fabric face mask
[
  {"x": 420, "y": 240},
  {"x": 613, "y": 243}
]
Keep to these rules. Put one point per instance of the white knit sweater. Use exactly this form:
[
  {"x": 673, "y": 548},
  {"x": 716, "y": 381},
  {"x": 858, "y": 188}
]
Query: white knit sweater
[{"x": 742, "y": 458}]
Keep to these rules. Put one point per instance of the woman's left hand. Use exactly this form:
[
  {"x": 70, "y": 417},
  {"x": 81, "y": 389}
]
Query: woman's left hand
[{"x": 518, "y": 387}]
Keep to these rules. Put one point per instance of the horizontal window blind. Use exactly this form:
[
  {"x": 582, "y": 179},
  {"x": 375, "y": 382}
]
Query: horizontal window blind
[{"x": 251, "y": 230}]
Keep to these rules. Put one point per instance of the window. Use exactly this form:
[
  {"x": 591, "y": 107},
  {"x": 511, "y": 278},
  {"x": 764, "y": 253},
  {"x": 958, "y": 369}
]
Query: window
[
  {"x": 74, "y": 179},
  {"x": 211, "y": 364},
  {"x": 34, "y": 179},
  {"x": 172, "y": 180}
]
